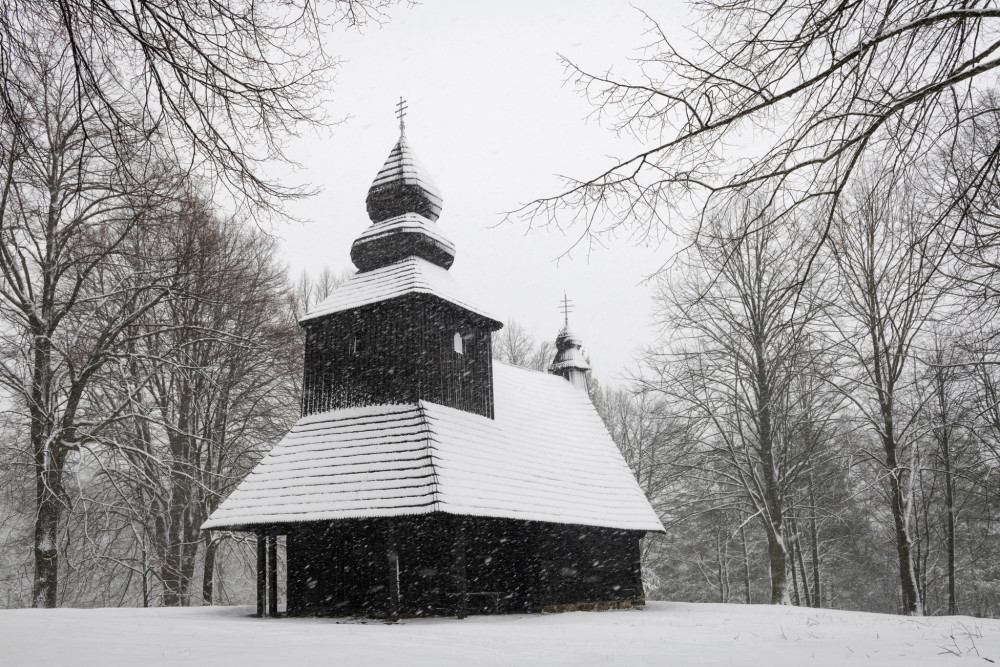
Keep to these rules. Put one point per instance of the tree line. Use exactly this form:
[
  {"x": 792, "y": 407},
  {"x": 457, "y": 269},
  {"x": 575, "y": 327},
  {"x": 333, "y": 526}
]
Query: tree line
[
  {"x": 826, "y": 357},
  {"x": 148, "y": 346}
]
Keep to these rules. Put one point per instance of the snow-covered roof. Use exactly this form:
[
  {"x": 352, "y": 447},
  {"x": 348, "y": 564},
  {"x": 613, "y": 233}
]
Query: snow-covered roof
[
  {"x": 388, "y": 242},
  {"x": 411, "y": 275},
  {"x": 407, "y": 222},
  {"x": 403, "y": 165},
  {"x": 546, "y": 456},
  {"x": 403, "y": 184}
]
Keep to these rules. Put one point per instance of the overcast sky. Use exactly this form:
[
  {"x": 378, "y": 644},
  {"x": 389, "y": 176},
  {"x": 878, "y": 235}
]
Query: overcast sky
[{"x": 494, "y": 123}]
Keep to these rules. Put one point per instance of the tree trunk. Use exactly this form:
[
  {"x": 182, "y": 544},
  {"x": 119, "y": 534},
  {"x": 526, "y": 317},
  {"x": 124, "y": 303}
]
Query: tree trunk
[
  {"x": 814, "y": 539},
  {"x": 181, "y": 545},
  {"x": 746, "y": 565},
  {"x": 904, "y": 545},
  {"x": 776, "y": 551},
  {"x": 145, "y": 575},
  {"x": 208, "y": 577},
  {"x": 43, "y": 593},
  {"x": 778, "y": 564},
  {"x": 48, "y": 461},
  {"x": 800, "y": 560},
  {"x": 719, "y": 569},
  {"x": 795, "y": 579},
  {"x": 949, "y": 492}
]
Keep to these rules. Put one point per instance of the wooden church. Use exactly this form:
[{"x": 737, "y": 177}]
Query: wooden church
[{"x": 423, "y": 477}]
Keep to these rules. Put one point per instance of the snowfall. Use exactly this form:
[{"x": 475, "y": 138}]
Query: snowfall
[{"x": 664, "y": 633}]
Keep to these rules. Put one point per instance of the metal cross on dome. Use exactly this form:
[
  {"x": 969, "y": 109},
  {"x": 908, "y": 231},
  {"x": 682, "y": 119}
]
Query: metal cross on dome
[
  {"x": 566, "y": 307},
  {"x": 401, "y": 114}
]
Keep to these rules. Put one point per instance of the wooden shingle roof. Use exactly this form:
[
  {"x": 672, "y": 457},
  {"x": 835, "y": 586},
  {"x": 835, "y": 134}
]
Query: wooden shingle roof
[
  {"x": 408, "y": 276},
  {"x": 545, "y": 457},
  {"x": 403, "y": 185}
]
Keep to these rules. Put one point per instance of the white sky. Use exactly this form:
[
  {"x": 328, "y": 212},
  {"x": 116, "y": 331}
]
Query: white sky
[{"x": 491, "y": 119}]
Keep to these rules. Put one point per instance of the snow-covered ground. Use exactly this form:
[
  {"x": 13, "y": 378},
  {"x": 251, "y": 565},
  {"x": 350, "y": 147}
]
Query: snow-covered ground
[{"x": 664, "y": 633}]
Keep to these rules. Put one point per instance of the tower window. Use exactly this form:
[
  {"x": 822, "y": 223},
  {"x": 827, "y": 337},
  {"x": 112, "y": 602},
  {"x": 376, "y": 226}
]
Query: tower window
[
  {"x": 359, "y": 343},
  {"x": 459, "y": 343}
]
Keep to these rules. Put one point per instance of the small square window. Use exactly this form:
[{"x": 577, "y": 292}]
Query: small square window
[{"x": 459, "y": 342}]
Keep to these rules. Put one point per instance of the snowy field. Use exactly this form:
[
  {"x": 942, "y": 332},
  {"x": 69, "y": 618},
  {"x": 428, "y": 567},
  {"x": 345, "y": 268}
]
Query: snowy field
[{"x": 664, "y": 633}]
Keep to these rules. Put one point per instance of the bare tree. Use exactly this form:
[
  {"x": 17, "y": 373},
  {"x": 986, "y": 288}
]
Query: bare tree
[
  {"x": 823, "y": 89},
  {"x": 738, "y": 344},
  {"x": 74, "y": 189},
  {"x": 211, "y": 383},
  {"x": 309, "y": 290},
  {"x": 226, "y": 86},
  {"x": 888, "y": 255},
  {"x": 948, "y": 409},
  {"x": 515, "y": 345}
]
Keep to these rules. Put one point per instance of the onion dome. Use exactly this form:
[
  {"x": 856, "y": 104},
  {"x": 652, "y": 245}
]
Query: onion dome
[
  {"x": 569, "y": 353},
  {"x": 569, "y": 361},
  {"x": 403, "y": 186},
  {"x": 403, "y": 204}
]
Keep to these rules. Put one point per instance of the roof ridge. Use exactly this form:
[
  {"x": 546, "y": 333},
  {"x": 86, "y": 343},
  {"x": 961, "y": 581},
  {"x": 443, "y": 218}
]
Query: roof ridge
[{"x": 431, "y": 455}]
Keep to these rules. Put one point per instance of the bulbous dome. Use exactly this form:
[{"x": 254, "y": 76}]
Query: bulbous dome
[
  {"x": 403, "y": 204},
  {"x": 569, "y": 353},
  {"x": 403, "y": 186}
]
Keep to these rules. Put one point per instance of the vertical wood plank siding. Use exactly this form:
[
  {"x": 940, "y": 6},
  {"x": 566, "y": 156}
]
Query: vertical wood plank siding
[
  {"x": 504, "y": 565},
  {"x": 398, "y": 351}
]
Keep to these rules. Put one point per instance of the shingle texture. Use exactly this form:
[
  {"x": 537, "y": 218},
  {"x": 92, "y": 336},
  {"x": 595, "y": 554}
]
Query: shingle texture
[
  {"x": 403, "y": 185},
  {"x": 408, "y": 276},
  {"x": 388, "y": 242},
  {"x": 545, "y": 457}
]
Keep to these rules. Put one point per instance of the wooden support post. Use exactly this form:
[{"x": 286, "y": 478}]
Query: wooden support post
[
  {"x": 460, "y": 569},
  {"x": 392, "y": 558},
  {"x": 261, "y": 574},
  {"x": 272, "y": 573},
  {"x": 640, "y": 593}
]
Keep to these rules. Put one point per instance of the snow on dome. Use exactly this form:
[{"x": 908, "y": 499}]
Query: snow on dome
[
  {"x": 569, "y": 352},
  {"x": 395, "y": 239},
  {"x": 546, "y": 456},
  {"x": 403, "y": 185}
]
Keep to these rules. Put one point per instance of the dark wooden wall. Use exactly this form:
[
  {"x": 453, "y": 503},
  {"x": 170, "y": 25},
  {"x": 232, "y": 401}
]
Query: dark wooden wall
[
  {"x": 509, "y": 566},
  {"x": 398, "y": 351}
]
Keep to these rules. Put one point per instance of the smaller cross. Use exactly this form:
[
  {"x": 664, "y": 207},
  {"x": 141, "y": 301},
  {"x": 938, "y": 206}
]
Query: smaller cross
[
  {"x": 566, "y": 307},
  {"x": 401, "y": 114}
]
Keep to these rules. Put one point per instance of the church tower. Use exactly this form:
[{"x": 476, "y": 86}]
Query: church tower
[
  {"x": 569, "y": 361},
  {"x": 399, "y": 331}
]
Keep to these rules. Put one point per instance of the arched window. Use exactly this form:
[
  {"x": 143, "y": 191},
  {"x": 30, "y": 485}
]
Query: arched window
[{"x": 459, "y": 343}]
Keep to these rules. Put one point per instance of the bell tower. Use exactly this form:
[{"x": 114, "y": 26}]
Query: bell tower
[
  {"x": 569, "y": 361},
  {"x": 399, "y": 330}
]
